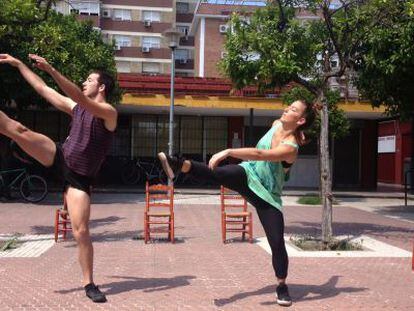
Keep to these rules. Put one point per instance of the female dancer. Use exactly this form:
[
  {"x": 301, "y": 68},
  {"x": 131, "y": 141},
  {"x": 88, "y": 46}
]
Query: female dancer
[{"x": 259, "y": 178}]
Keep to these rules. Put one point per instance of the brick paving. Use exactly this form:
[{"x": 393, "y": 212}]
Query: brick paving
[{"x": 199, "y": 272}]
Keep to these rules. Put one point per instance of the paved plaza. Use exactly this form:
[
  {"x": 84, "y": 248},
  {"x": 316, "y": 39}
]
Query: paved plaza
[{"x": 199, "y": 272}]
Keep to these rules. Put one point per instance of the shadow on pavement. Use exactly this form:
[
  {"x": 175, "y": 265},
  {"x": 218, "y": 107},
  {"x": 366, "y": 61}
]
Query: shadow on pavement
[
  {"x": 94, "y": 223},
  {"x": 148, "y": 285},
  {"x": 347, "y": 228},
  {"x": 299, "y": 292}
]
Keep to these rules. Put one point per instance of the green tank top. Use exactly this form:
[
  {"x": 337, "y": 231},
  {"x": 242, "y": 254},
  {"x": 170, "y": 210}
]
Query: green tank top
[{"x": 266, "y": 178}]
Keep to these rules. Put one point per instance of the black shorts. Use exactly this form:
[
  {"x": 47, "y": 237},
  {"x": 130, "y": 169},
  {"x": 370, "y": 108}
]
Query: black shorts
[{"x": 68, "y": 177}]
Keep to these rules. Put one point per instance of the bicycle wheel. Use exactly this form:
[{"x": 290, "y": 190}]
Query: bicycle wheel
[
  {"x": 131, "y": 174},
  {"x": 33, "y": 188}
]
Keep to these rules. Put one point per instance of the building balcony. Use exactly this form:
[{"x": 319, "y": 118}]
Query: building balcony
[
  {"x": 133, "y": 26},
  {"x": 187, "y": 64},
  {"x": 150, "y": 3},
  {"x": 184, "y": 17},
  {"x": 136, "y": 52},
  {"x": 187, "y": 41},
  {"x": 93, "y": 18}
]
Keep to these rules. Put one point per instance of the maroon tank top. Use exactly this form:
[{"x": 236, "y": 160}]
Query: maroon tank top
[{"x": 87, "y": 144}]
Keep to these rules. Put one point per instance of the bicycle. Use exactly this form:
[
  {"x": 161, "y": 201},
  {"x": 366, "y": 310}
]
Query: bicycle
[
  {"x": 32, "y": 188},
  {"x": 134, "y": 171}
]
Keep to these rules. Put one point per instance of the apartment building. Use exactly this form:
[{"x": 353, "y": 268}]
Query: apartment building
[
  {"x": 136, "y": 27},
  {"x": 184, "y": 54}
]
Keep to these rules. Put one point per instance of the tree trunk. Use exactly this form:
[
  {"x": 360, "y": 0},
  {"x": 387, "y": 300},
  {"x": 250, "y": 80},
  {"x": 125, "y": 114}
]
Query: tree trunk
[{"x": 326, "y": 181}]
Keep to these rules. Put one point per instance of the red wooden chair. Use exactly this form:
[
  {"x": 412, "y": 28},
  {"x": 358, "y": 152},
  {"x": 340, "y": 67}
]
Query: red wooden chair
[
  {"x": 159, "y": 211},
  {"x": 62, "y": 222},
  {"x": 234, "y": 215}
]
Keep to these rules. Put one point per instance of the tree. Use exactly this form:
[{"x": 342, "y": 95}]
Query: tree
[
  {"x": 386, "y": 64},
  {"x": 74, "y": 48},
  {"x": 271, "y": 48}
]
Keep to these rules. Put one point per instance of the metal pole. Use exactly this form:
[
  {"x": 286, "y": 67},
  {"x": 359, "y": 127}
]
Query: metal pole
[
  {"x": 251, "y": 142},
  {"x": 171, "y": 128}
]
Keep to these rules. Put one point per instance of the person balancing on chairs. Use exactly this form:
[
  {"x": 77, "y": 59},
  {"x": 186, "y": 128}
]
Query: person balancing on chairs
[{"x": 78, "y": 161}]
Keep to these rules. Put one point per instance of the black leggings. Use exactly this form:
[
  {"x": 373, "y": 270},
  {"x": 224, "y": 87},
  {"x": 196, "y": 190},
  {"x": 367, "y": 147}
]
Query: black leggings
[{"x": 234, "y": 177}]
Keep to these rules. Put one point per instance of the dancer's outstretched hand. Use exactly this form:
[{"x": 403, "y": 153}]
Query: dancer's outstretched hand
[
  {"x": 40, "y": 62},
  {"x": 217, "y": 158},
  {"x": 8, "y": 59}
]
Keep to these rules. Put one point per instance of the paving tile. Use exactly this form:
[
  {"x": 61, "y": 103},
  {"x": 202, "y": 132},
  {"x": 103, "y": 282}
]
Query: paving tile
[{"x": 200, "y": 272}]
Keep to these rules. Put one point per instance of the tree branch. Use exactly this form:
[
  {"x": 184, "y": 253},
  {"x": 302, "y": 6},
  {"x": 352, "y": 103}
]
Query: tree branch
[
  {"x": 309, "y": 86},
  {"x": 329, "y": 26},
  {"x": 282, "y": 16}
]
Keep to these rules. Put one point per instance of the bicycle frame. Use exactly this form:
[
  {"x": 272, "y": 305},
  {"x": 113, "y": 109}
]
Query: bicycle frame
[
  {"x": 21, "y": 172},
  {"x": 149, "y": 168}
]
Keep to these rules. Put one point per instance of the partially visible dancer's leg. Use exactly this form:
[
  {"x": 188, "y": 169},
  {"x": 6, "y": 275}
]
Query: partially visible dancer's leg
[
  {"x": 231, "y": 176},
  {"x": 234, "y": 177},
  {"x": 78, "y": 203},
  {"x": 273, "y": 224},
  {"x": 38, "y": 146}
]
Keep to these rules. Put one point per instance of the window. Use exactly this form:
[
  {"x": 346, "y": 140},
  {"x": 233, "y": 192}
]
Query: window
[
  {"x": 121, "y": 41},
  {"x": 215, "y": 129},
  {"x": 85, "y": 8},
  {"x": 163, "y": 130},
  {"x": 191, "y": 141},
  {"x": 151, "y": 16},
  {"x": 150, "y": 67},
  {"x": 123, "y": 66},
  {"x": 144, "y": 140},
  {"x": 181, "y": 54},
  {"x": 122, "y": 138},
  {"x": 183, "y": 29},
  {"x": 151, "y": 42},
  {"x": 122, "y": 15},
  {"x": 182, "y": 7}
]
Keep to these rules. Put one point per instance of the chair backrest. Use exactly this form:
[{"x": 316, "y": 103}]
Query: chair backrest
[
  {"x": 159, "y": 196},
  {"x": 231, "y": 199}
]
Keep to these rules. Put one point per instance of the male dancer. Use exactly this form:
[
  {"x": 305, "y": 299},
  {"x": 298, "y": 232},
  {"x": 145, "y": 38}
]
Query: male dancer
[{"x": 79, "y": 159}]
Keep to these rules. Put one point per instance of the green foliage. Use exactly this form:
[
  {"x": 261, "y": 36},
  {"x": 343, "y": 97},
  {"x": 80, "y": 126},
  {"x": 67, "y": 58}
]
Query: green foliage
[
  {"x": 74, "y": 48},
  {"x": 311, "y": 243},
  {"x": 310, "y": 200},
  {"x": 386, "y": 63},
  {"x": 261, "y": 53},
  {"x": 258, "y": 53},
  {"x": 339, "y": 124}
]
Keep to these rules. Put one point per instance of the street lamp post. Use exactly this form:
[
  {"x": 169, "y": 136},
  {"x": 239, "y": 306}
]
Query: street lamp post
[{"x": 173, "y": 37}]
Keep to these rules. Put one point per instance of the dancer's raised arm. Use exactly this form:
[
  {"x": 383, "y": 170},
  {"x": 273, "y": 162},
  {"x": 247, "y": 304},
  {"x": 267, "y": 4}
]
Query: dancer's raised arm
[
  {"x": 59, "y": 101},
  {"x": 97, "y": 106},
  {"x": 280, "y": 153}
]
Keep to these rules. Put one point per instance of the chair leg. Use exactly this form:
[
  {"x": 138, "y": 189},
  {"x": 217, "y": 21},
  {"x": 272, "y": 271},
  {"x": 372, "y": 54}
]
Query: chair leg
[
  {"x": 169, "y": 229},
  {"x": 56, "y": 225},
  {"x": 223, "y": 227},
  {"x": 145, "y": 229},
  {"x": 412, "y": 259},
  {"x": 250, "y": 229},
  {"x": 65, "y": 228},
  {"x": 244, "y": 230},
  {"x": 172, "y": 230}
]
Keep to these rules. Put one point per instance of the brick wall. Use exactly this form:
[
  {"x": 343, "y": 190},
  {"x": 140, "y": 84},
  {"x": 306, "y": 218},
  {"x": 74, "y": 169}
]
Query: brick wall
[{"x": 214, "y": 41}]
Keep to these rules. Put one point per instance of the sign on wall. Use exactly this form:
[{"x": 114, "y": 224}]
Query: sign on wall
[{"x": 386, "y": 144}]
